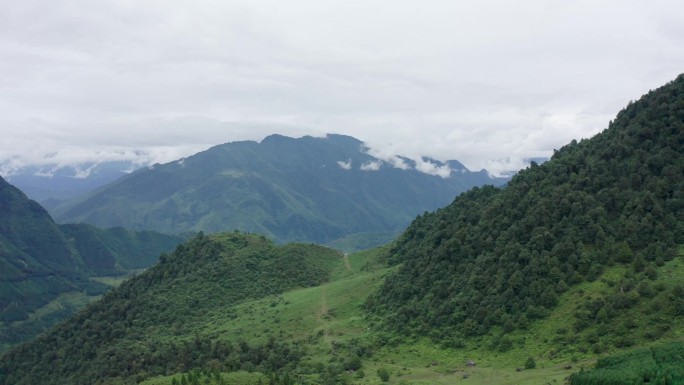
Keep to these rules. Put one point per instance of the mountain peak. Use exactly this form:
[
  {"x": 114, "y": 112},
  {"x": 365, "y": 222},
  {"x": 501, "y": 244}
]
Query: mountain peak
[
  {"x": 290, "y": 189},
  {"x": 344, "y": 140},
  {"x": 276, "y": 139}
]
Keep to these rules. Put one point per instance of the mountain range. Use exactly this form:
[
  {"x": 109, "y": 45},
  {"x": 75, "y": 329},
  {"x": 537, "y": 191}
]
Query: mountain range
[
  {"x": 566, "y": 269},
  {"x": 307, "y": 189}
]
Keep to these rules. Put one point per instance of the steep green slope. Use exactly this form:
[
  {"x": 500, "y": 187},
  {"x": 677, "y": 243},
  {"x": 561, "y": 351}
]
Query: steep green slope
[
  {"x": 306, "y": 189},
  {"x": 324, "y": 329},
  {"x": 36, "y": 259},
  {"x": 496, "y": 260},
  {"x": 41, "y": 261},
  {"x": 116, "y": 250},
  {"x": 148, "y": 325}
]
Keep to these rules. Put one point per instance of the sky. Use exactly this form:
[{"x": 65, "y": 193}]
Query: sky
[{"x": 488, "y": 83}]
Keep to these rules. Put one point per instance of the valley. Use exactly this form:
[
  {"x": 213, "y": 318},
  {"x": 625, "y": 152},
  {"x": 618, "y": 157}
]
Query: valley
[{"x": 571, "y": 273}]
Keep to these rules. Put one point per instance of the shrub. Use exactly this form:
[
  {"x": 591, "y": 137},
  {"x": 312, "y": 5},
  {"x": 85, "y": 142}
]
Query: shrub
[{"x": 384, "y": 375}]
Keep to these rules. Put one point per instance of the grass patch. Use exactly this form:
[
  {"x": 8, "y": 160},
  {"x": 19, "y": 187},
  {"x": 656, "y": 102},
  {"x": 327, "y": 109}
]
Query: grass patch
[{"x": 233, "y": 378}]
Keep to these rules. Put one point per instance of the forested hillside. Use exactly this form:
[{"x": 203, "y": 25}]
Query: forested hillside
[
  {"x": 146, "y": 326},
  {"x": 36, "y": 260},
  {"x": 659, "y": 365},
  {"x": 122, "y": 249},
  {"x": 307, "y": 189},
  {"x": 40, "y": 260},
  {"x": 497, "y": 259}
]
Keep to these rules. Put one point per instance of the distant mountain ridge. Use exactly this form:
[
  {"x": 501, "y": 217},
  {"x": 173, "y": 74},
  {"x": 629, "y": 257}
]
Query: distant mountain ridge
[
  {"x": 305, "y": 189},
  {"x": 51, "y": 185}
]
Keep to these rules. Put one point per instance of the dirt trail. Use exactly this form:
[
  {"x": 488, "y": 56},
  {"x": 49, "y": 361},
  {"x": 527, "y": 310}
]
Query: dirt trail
[
  {"x": 322, "y": 311},
  {"x": 347, "y": 264},
  {"x": 324, "y": 305}
]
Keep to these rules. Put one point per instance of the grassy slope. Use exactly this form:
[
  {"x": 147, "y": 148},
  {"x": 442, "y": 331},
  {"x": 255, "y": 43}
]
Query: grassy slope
[{"x": 330, "y": 317}]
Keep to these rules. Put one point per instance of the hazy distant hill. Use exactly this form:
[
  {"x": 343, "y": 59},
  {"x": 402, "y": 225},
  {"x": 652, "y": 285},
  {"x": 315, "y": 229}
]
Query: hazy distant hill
[
  {"x": 39, "y": 260},
  {"x": 52, "y": 185},
  {"x": 306, "y": 189}
]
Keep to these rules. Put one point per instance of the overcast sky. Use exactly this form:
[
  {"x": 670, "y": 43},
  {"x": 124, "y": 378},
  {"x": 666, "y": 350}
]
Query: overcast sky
[{"x": 488, "y": 83}]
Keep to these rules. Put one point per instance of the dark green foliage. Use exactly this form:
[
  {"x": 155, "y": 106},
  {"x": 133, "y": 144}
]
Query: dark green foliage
[
  {"x": 111, "y": 251},
  {"x": 353, "y": 363},
  {"x": 659, "y": 365},
  {"x": 121, "y": 335},
  {"x": 39, "y": 260},
  {"x": 530, "y": 363},
  {"x": 501, "y": 257},
  {"x": 383, "y": 373},
  {"x": 287, "y": 189}
]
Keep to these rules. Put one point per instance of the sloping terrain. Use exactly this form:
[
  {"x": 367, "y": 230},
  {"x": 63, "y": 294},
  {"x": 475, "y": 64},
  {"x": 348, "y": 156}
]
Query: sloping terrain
[
  {"x": 148, "y": 325},
  {"x": 308, "y": 335},
  {"x": 497, "y": 259},
  {"x": 40, "y": 260},
  {"x": 307, "y": 189},
  {"x": 576, "y": 258},
  {"x": 37, "y": 260},
  {"x": 657, "y": 365}
]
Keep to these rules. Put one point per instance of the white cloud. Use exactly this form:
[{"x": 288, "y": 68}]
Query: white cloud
[
  {"x": 84, "y": 172},
  {"x": 371, "y": 166},
  {"x": 345, "y": 165},
  {"x": 385, "y": 156},
  {"x": 428, "y": 167},
  {"x": 488, "y": 83}
]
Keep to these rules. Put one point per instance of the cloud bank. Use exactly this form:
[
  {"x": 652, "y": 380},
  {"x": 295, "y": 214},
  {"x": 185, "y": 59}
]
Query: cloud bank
[{"x": 489, "y": 83}]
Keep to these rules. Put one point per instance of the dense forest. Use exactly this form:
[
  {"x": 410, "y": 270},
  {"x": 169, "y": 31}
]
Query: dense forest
[
  {"x": 41, "y": 260},
  {"x": 497, "y": 259},
  {"x": 144, "y": 326},
  {"x": 658, "y": 365}
]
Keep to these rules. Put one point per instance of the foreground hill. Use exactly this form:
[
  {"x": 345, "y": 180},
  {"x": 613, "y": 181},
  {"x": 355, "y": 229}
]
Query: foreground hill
[
  {"x": 309, "y": 335},
  {"x": 148, "y": 325},
  {"x": 610, "y": 208},
  {"x": 40, "y": 260},
  {"x": 306, "y": 189}
]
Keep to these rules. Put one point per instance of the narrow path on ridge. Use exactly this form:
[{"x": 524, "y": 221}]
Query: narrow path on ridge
[
  {"x": 347, "y": 264},
  {"x": 322, "y": 312},
  {"x": 324, "y": 305}
]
